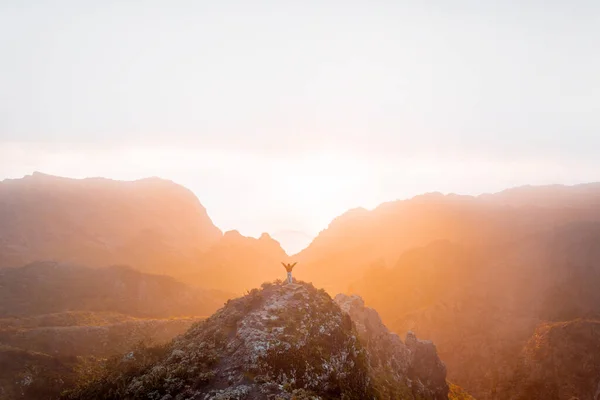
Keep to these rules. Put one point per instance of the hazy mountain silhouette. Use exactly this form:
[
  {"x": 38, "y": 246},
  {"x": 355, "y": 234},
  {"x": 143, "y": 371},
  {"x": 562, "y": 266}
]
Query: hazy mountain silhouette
[
  {"x": 550, "y": 196},
  {"x": 359, "y": 238},
  {"x": 151, "y": 223},
  {"x": 477, "y": 275},
  {"x": 238, "y": 263}
]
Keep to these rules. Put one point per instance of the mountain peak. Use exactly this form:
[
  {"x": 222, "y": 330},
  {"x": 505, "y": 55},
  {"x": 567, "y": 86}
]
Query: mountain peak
[
  {"x": 265, "y": 236},
  {"x": 99, "y": 221},
  {"x": 234, "y": 233},
  {"x": 281, "y": 341}
]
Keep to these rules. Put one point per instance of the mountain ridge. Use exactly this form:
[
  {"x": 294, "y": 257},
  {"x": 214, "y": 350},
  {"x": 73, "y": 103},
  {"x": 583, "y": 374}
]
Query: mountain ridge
[
  {"x": 284, "y": 341},
  {"x": 515, "y": 196},
  {"x": 152, "y": 224}
]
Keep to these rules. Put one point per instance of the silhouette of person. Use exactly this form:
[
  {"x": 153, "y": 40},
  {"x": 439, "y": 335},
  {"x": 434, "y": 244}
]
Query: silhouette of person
[{"x": 289, "y": 268}]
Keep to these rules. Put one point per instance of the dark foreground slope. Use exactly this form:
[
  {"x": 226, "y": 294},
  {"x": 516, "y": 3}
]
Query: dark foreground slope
[
  {"x": 29, "y": 375},
  {"x": 94, "y": 339},
  {"x": 280, "y": 342},
  {"x": 43, "y": 288}
]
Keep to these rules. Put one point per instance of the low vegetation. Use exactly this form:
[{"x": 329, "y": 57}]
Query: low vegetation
[{"x": 280, "y": 342}]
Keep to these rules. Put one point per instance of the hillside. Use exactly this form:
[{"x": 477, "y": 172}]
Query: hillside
[
  {"x": 283, "y": 341},
  {"x": 476, "y": 275},
  {"x": 59, "y": 321},
  {"x": 152, "y": 223},
  {"x": 30, "y": 375},
  {"x": 561, "y": 361},
  {"x": 45, "y": 288},
  {"x": 41, "y": 362},
  {"x": 94, "y": 340},
  {"x": 358, "y": 239}
]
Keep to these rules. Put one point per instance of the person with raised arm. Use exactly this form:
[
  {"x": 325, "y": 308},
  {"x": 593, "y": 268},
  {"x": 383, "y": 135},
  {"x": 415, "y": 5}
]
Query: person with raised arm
[{"x": 289, "y": 268}]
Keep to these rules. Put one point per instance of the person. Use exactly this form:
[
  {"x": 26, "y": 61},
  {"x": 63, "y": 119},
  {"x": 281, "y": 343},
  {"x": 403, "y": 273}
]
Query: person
[{"x": 289, "y": 268}]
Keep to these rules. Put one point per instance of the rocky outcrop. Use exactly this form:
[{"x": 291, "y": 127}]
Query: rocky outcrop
[
  {"x": 426, "y": 366},
  {"x": 279, "y": 342},
  {"x": 414, "y": 363}
]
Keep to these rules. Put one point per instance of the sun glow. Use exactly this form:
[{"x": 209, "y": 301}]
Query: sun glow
[{"x": 256, "y": 192}]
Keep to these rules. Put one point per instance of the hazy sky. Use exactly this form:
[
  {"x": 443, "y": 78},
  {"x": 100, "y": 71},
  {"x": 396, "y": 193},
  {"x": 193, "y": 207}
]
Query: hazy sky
[{"x": 281, "y": 115}]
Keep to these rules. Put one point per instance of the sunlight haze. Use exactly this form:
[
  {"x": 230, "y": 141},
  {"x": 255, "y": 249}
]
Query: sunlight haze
[{"x": 282, "y": 115}]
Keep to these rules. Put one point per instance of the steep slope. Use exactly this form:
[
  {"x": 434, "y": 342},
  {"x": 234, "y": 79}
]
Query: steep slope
[
  {"x": 560, "y": 362},
  {"x": 354, "y": 241},
  {"x": 284, "y": 341},
  {"x": 152, "y": 224},
  {"x": 392, "y": 363},
  {"x": 43, "y": 288}
]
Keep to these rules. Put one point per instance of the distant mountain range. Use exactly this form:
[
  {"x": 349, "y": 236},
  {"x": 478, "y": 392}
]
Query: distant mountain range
[
  {"x": 97, "y": 222},
  {"x": 152, "y": 225},
  {"x": 484, "y": 277},
  {"x": 358, "y": 239},
  {"x": 477, "y": 275}
]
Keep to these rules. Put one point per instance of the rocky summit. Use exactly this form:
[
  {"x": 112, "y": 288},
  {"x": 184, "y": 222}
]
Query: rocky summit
[{"x": 279, "y": 342}]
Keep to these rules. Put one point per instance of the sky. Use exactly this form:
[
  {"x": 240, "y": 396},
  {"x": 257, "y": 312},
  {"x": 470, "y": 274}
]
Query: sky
[{"x": 281, "y": 115}]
